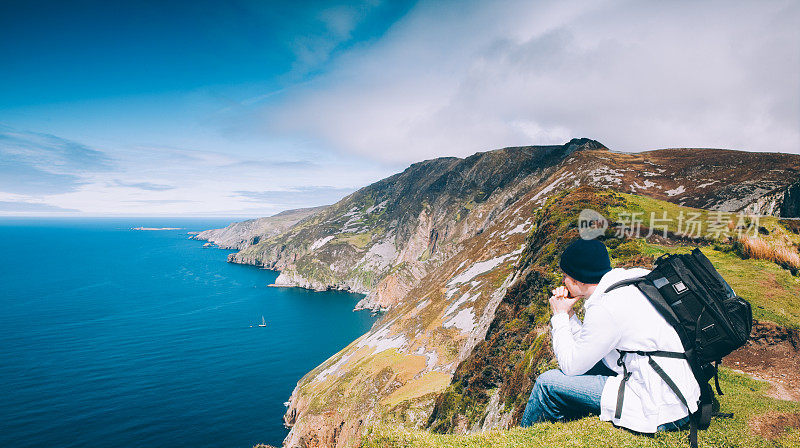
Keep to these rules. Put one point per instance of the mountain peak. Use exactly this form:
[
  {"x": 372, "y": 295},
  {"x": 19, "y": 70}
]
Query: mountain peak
[{"x": 580, "y": 144}]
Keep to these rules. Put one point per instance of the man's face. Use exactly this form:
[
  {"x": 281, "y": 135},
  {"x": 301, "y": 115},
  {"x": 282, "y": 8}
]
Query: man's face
[{"x": 573, "y": 286}]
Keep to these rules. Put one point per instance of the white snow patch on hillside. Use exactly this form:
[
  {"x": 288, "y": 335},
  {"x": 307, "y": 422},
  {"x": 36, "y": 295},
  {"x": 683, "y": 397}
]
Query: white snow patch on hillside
[
  {"x": 320, "y": 242},
  {"x": 522, "y": 228},
  {"x": 707, "y": 184},
  {"x": 647, "y": 184},
  {"x": 333, "y": 368},
  {"x": 353, "y": 224},
  {"x": 431, "y": 357},
  {"x": 464, "y": 298},
  {"x": 477, "y": 268},
  {"x": 605, "y": 174},
  {"x": 354, "y": 218},
  {"x": 675, "y": 191},
  {"x": 376, "y": 207},
  {"x": 464, "y": 321},
  {"x": 549, "y": 188},
  {"x": 422, "y": 305},
  {"x": 354, "y": 228},
  {"x": 381, "y": 341}
]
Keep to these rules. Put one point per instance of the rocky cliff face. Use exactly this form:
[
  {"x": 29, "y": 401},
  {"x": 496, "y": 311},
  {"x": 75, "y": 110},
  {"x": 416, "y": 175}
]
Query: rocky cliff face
[
  {"x": 790, "y": 201},
  {"x": 240, "y": 235},
  {"x": 439, "y": 246},
  {"x": 384, "y": 238}
]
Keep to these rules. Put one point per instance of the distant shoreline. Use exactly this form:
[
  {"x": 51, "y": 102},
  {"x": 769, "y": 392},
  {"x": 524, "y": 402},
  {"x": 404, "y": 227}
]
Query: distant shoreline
[{"x": 157, "y": 228}]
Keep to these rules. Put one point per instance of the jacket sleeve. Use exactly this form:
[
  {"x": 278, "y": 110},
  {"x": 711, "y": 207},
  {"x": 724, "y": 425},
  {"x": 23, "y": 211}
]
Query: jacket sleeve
[
  {"x": 575, "y": 324},
  {"x": 578, "y": 352}
]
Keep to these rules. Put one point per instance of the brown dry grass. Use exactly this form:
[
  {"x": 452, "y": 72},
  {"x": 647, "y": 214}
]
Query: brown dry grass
[{"x": 763, "y": 250}]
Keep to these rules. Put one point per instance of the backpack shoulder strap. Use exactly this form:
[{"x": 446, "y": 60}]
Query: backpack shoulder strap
[
  {"x": 699, "y": 419},
  {"x": 626, "y": 282},
  {"x": 646, "y": 286}
]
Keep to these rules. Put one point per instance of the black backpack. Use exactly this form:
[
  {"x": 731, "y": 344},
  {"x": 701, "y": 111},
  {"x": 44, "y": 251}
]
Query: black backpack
[{"x": 710, "y": 319}]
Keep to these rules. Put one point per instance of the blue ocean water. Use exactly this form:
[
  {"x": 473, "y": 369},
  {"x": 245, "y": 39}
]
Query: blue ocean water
[{"x": 115, "y": 337}]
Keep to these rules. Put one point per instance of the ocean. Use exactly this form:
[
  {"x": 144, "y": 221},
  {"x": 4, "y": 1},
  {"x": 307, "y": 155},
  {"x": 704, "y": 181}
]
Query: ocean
[{"x": 112, "y": 337}]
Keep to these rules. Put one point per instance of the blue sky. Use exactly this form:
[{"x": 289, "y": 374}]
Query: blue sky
[{"x": 247, "y": 108}]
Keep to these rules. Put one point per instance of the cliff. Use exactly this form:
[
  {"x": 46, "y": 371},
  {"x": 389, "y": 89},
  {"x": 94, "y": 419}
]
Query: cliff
[
  {"x": 382, "y": 239},
  {"x": 445, "y": 247},
  {"x": 240, "y": 235},
  {"x": 387, "y": 236}
]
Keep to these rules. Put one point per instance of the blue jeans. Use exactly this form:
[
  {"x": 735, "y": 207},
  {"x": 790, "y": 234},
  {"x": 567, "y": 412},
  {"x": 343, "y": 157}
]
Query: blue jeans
[{"x": 557, "y": 396}]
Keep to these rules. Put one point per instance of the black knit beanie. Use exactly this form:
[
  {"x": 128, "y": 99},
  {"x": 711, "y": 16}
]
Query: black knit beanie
[{"x": 585, "y": 260}]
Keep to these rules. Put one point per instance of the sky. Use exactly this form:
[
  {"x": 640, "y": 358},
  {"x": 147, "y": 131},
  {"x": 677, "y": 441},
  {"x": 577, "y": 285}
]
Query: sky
[{"x": 248, "y": 108}]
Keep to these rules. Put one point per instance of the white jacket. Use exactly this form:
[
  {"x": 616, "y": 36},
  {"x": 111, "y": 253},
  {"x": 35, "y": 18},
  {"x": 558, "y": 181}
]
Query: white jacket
[{"x": 624, "y": 319}]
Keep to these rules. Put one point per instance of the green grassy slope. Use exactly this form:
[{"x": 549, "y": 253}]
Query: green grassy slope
[{"x": 743, "y": 396}]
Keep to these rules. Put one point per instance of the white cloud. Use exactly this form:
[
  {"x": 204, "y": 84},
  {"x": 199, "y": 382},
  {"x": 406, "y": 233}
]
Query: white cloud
[
  {"x": 162, "y": 180},
  {"x": 450, "y": 79}
]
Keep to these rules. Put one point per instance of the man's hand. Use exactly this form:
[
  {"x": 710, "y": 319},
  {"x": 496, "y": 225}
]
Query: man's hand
[{"x": 560, "y": 302}]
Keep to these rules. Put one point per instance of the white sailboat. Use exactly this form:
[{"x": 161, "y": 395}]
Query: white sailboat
[{"x": 263, "y": 322}]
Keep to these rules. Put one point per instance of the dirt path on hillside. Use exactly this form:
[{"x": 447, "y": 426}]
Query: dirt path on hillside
[{"x": 772, "y": 354}]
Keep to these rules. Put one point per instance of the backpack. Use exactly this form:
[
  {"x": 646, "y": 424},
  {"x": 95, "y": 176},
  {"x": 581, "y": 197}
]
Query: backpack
[{"x": 710, "y": 319}]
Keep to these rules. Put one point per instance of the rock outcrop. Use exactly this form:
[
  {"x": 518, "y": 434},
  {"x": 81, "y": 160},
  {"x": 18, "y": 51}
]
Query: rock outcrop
[
  {"x": 790, "y": 203},
  {"x": 240, "y": 235}
]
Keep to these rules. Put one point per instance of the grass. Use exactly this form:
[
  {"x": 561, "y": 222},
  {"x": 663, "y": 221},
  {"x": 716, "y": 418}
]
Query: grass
[
  {"x": 357, "y": 240},
  {"x": 743, "y": 396},
  {"x": 657, "y": 214},
  {"x": 427, "y": 383},
  {"x": 343, "y": 391},
  {"x": 764, "y": 250},
  {"x": 710, "y": 225}
]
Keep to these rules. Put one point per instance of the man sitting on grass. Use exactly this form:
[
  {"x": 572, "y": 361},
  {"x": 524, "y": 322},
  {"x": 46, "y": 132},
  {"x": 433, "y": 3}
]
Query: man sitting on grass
[{"x": 588, "y": 381}]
